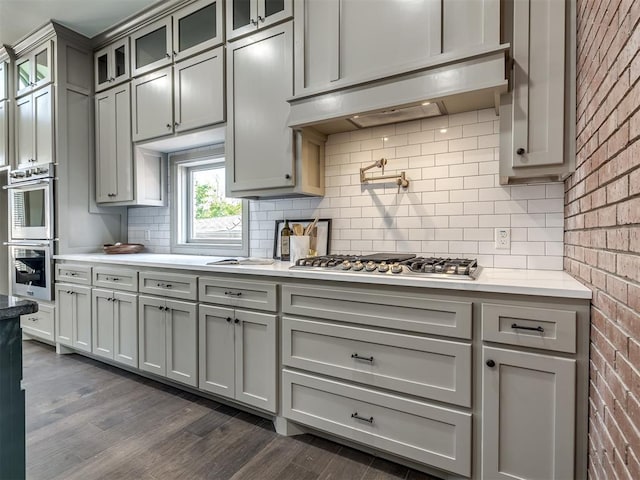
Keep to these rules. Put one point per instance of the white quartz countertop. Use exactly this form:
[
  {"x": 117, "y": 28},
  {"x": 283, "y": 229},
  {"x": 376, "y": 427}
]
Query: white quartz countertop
[{"x": 496, "y": 280}]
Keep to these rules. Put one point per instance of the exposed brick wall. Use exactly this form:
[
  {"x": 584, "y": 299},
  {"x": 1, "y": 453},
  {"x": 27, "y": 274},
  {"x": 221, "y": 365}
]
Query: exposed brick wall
[{"x": 602, "y": 227}]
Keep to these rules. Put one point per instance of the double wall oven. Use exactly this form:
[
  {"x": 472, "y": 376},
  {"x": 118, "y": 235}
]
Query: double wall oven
[{"x": 31, "y": 231}]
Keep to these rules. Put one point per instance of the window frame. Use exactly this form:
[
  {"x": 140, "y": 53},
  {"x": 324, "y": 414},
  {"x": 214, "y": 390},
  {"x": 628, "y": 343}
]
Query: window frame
[{"x": 182, "y": 164}]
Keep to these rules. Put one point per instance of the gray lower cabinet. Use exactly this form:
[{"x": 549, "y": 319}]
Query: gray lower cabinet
[
  {"x": 168, "y": 338},
  {"x": 115, "y": 326},
  {"x": 41, "y": 323},
  {"x": 73, "y": 316},
  {"x": 528, "y": 415},
  {"x": 114, "y": 163},
  {"x": 238, "y": 355}
]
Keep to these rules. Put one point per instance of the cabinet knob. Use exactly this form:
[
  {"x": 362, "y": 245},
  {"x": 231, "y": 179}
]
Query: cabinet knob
[
  {"x": 520, "y": 151},
  {"x": 175, "y": 54},
  {"x": 168, "y": 55},
  {"x": 260, "y": 19},
  {"x": 229, "y": 319},
  {"x": 176, "y": 124},
  {"x": 491, "y": 363},
  {"x": 236, "y": 321},
  {"x": 287, "y": 176},
  {"x": 253, "y": 22},
  {"x": 168, "y": 125}
]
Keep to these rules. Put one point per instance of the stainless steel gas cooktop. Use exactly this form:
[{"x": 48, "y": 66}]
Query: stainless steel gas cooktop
[{"x": 394, "y": 264}]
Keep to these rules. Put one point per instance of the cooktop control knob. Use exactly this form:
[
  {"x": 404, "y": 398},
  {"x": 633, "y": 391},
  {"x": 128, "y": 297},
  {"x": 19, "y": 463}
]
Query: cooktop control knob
[
  {"x": 396, "y": 268},
  {"x": 346, "y": 265},
  {"x": 370, "y": 266},
  {"x": 358, "y": 265},
  {"x": 383, "y": 267}
]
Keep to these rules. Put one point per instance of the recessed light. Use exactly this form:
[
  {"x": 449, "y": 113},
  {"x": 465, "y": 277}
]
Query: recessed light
[
  {"x": 426, "y": 103},
  {"x": 385, "y": 139},
  {"x": 356, "y": 116},
  {"x": 444, "y": 130}
]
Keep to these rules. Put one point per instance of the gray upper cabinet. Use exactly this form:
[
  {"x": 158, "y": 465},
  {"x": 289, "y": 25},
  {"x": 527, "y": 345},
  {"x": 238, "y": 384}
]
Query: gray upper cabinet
[
  {"x": 151, "y": 99},
  {"x": 190, "y": 30},
  {"x": 34, "y": 69},
  {"x": 197, "y": 100},
  {"x": 111, "y": 64},
  {"x": 246, "y": 16},
  {"x": 114, "y": 165},
  {"x": 4, "y": 133},
  {"x": 343, "y": 41},
  {"x": 3, "y": 80},
  {"x": 34, "y": 128},
  {"x": 151, "y": 47},
  {"x": 537, "y": 117},
  {"x": 259, "y": 142},
  {"x": 198, "y": 84},
  {"x": 469, "y": 25}
]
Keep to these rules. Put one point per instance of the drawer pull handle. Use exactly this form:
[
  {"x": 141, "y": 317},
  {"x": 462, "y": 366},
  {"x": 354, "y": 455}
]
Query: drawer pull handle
[
  {"x": 114, "y": 279},
  {"x": 364, "y": 419},
  {"x": 359, "y": 357},
  {"x": 234, "y": 294},
  {"x": 164, "y": 285},
  {"x": 520, "y": 327},
  {"x": 73, "y": 274},
  {"x": 33, "y": 319}
]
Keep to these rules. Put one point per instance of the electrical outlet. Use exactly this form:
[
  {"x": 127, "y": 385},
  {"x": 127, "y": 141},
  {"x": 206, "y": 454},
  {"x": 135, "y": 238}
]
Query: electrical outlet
[
  {"x": 147, "y": 234},
  {"x": 503, "y": 238}
]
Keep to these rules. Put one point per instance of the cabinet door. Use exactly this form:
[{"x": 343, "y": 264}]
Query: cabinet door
[
  {"x": 42, "y": 72},
  {"x": 23, "y": 67},
  {"x": 528, "y": 415},
  {"x": 152, "y": 335},
  {"x": 255, "y": 340},
  {"x": 43, "y": 125},
  {"x": 151, "y": 47},
  {"x": 273, "y": 11},
  {"x": 538, "y": 83},
  {"x": 199, "y": 90},
  {"x": 114, "y": 164},
  {"x": 152, "y": 105},
  {"x": 182, "y": 342},
  {"x": 216, "y": 350},
  {"x": 64, "y": 315},
  {"x": 82, "y": 318},
  {"x": 242, "y": 17},
  {"x": 24, "y": 131},
  {"x": 3, "y": 81},
  {"x": 111, "y": 64},
  {"x": 197, "y": 27},
  {"x": 125, "y": 328},
  {"x": 102, "y": 322},
  {"x": 4, "y": 134},
  {"x": 260, "y": 70}
]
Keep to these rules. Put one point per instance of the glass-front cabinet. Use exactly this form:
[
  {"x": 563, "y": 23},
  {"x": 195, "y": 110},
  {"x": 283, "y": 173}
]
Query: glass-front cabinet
[
  {"x": 34, "y": 69},
  {"x": 246, "y": 16},
  {"x": 111, "y": 64},
  {"x": 190, "y": 30}
]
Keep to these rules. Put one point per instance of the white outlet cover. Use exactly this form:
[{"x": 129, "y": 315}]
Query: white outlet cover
[{"x": 502, "y": 238}]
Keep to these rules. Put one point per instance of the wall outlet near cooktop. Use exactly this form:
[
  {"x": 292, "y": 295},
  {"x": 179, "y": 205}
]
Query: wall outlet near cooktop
[{"x": 503, "y": 238}]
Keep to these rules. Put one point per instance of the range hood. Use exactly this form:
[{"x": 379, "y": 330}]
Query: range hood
[{"x": 451, "y": 84}]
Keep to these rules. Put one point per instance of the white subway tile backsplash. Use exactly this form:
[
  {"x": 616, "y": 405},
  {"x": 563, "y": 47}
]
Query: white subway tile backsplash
[{"x": 452, "y": 206}]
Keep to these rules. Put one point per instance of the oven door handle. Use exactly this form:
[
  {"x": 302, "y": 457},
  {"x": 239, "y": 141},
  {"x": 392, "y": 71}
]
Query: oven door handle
[
  {"x": 26, "y": 244},
  {"x": 27, "y": 184}
]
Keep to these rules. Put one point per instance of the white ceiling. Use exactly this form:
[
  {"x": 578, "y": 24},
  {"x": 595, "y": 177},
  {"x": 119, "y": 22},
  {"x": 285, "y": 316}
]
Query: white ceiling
[{"x": 18, "y": 18}]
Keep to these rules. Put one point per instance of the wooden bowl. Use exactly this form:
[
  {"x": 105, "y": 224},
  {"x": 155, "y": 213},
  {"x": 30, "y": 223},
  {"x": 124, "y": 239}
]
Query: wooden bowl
[{"x": 123, "y": 248}]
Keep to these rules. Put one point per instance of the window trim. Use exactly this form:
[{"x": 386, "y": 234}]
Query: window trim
[{"x": 179, "y": 229}]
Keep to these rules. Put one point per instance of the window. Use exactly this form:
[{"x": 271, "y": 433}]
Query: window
[{"x": 204, "y": 221}]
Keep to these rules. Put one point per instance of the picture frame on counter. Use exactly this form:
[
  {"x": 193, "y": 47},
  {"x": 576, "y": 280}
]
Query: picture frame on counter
[{"x": 320, "y": 238}]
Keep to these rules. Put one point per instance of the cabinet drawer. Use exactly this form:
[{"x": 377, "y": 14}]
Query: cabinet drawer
[
  {"x": 39, "y": 324},
  {"x": 169, "y": 285},
  {"x": 117, "y": 278},
  {"x": 529, "y": 327},
  {"x": 380, "y": 309},
  {"x": 436, "y": 436},
  {"x": 426, "y": 367},
  {"x": 66, "y": 272},
  {"x": 238, "y": 293}
]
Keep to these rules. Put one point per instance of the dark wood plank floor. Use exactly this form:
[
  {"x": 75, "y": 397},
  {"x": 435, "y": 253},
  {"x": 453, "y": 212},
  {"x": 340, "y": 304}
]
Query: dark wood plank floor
[{"x": 87, "y": 420}]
